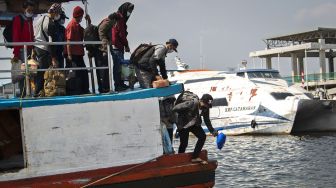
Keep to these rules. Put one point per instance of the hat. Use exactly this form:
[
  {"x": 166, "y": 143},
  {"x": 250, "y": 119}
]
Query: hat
[
  {"x": 78, "y": 12},
  {"x": 63, "y": 16},
  {"x": 55, "y": 8},
  {"x": 174, "y": 43},
  {"x": 207, "y": 98}
]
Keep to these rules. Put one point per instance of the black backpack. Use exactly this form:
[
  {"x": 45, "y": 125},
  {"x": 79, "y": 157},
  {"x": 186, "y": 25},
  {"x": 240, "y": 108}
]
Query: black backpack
[
  {"x": 138, "y": 53},
  {"x": 91, "y": 34},
  {"x": 8, "y": 31},
  {"x": 186, "y": 96}
]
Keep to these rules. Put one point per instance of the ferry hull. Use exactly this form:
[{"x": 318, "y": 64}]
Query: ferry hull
[
  {"x": 315, "y": 116},
  {"x": 165, "y": 171}
]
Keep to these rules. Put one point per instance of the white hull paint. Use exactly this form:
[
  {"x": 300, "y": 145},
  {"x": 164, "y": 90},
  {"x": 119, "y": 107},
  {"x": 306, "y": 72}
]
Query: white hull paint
[{"x": 86, "y": 136}]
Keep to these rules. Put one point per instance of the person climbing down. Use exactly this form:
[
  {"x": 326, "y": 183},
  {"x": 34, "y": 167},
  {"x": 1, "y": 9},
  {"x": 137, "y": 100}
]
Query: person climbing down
[{"x": 189, "y": 109}]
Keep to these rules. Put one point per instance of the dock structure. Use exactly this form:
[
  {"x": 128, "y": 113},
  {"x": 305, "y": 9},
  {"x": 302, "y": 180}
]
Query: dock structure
[{"x": 319, "y": 43}]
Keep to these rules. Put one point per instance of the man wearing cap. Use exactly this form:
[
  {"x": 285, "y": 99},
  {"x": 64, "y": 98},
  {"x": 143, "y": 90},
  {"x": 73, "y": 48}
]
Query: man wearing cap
[
  {"x": 190, "y": 109},
  {"x": 45, "y": 31},
  {"x": 147, "y": 71},
  {"x": 75, "y": 53}
]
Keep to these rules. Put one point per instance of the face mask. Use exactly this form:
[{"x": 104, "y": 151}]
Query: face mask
[
  {"x": 57, "y": 17},
  {"x": 128, "y": 14},
  {"x": 170, "y": 51},
  {"x": 28, "y": 15}
]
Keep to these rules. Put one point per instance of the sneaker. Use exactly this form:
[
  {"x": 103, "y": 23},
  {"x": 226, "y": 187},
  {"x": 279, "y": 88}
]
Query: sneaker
[
  {"x": 120, "y": 88},
  {"x": 198, "y": 160},
  {"x": 124, "y": 86}
]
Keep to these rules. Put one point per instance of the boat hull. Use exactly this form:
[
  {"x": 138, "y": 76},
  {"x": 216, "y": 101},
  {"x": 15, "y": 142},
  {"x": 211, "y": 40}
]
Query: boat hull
[
  {"x": 315, "y": 116},
  {"x": 166, "y": 171}
]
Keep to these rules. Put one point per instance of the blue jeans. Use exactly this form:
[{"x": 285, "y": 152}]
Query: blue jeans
[{"x": 117, "y": 56}]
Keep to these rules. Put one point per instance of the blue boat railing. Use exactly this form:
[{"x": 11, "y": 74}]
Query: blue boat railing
[{"x": 27, "y": 71}]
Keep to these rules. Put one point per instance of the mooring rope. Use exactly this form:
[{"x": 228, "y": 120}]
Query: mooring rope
[{"x": 118, "y": 173}]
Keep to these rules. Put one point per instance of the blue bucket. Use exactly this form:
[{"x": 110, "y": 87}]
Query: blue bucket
[{"x": 221, "y": 138}]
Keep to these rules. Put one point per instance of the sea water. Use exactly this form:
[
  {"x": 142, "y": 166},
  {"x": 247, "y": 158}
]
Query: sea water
[{"x": 273, "y": 161}]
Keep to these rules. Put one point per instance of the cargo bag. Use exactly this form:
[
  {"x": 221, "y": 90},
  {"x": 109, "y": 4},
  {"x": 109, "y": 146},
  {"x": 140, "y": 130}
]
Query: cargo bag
[{"x": 54, "y": 83}]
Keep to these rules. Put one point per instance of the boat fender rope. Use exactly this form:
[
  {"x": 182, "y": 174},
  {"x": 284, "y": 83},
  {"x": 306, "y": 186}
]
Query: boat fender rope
[{"x": 118, "y": 173}]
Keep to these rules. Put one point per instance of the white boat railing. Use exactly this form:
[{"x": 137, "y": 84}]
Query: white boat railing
[{"x": 26, "y": 71}]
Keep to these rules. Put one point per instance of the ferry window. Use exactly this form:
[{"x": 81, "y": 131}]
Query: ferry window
[
  {"x": 255, "y": 75},
  {"x": 11, "y": 150},
  {"x": 267, "y": 75},
  {"x": 280, "y": 96},
  {"x": 241, "y": 74},
  {"x": 275, "y": 75},
  {"x": 264, "y": 75},
  {"x": 309, "y": 95},
  {"x": 219, "y": 102}
]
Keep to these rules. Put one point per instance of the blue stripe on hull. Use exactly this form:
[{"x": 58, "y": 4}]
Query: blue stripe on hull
[{"x": 60, "y": 100}]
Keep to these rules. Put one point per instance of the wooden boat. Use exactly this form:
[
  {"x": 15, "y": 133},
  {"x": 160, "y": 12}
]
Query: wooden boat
[{"x": 111, "y": 140}]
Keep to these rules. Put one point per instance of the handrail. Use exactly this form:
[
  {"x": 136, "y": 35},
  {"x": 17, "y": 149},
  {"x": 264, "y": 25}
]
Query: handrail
[
  {"x": 48, "y": 43},
  {"x": 26, "y": 44}
]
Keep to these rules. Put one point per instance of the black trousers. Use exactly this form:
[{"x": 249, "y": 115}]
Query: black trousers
[
  {"x": 81, "y": 74},
  {"x": 102, "y": 74},
  {"x": 184, "y": 137},
  {"x": 44, "y": 59}
]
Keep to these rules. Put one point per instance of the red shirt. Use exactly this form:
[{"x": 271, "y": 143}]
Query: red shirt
[
  {"x": 75, "y": 32},
  {"x": 22, "y": 32},
  {"x": 119, "y": 34}
]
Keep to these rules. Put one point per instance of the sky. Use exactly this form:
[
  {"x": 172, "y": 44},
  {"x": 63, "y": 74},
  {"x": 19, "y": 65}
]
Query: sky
[{"x": 216, "y": 33}]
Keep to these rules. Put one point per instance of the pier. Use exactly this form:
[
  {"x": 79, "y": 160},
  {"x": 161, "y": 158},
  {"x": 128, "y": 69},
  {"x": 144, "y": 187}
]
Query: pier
[{"x": 319, "y": 43}]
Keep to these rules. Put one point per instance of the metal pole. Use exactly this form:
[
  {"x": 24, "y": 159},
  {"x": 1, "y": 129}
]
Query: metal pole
[
  {"x": 93, "y": 87},
  {"x": 14, "y": 90},
  {"x": 26, "y": 71},
  {"x": 110, "y": 64},
  {"x": 305, "y": 60},
  {"x": 279, "y": 62},
  {"x": 253, "y": 63}
]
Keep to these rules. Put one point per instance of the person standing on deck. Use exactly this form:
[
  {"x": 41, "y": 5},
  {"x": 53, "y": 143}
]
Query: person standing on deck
[
  {"x": 23, "y": 31},
  {"x": 120, "y": 43},
  {"x": 190, "y": 109},
  {"x": 45, "y": 31},
  {"x": 75, "y": 53}
]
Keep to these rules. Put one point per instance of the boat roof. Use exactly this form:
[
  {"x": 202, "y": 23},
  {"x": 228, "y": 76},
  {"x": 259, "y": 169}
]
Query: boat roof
[
  {"x": 16, "y": 103},
  {"x": 257, "y": 70}
]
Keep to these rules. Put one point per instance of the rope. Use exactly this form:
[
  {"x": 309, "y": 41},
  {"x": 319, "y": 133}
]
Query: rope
[
  {"x": 118, "y": 173},
  {"x": 23, "y": 91}
]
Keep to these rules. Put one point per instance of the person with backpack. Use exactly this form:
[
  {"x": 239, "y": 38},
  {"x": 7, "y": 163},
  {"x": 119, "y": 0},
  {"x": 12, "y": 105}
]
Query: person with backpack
[
  {"x": 46, "y": 31},
  {"x": 147, "y": 58},
  {"x": 101, "y": 32},
  {"x": 75, "y": 53},
  {"x": 120, "y": 43},
  {"x": 22, "y": 31},
  {"x": 190, "y": 109}
]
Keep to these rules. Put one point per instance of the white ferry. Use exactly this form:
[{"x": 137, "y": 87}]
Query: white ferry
[{"x": 258, "y": 101}]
